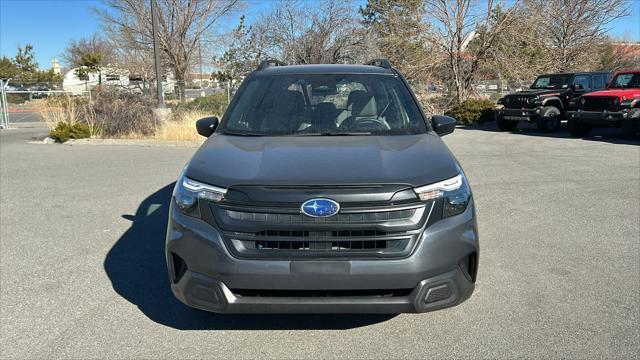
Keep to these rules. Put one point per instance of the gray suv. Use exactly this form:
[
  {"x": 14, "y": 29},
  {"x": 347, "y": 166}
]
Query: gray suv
[{"x": 324, "y": 188}]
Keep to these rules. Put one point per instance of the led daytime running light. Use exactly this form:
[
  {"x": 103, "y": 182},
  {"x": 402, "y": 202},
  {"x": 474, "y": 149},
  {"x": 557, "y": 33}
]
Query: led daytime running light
[{"x": 433, "y": 191}]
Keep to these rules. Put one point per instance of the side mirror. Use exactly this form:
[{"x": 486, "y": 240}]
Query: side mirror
[
  {"x": 206, "y": 126},
  {"x": 443, "y": 125}
]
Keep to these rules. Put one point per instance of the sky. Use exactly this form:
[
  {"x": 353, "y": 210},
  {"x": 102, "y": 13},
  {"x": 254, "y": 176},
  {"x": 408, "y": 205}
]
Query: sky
[{"x": 49, "y": 24}]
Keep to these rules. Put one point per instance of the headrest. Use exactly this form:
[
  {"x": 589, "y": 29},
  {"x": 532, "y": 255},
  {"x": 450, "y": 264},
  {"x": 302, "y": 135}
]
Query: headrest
[
  {"x": 353, "y": 96},
  {"x": 287, "y": 102},
  {"x": 362, "y": 104}
]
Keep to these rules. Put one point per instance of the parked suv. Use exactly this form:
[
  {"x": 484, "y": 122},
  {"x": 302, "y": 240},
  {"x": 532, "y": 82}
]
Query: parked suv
[
  {"x": 324, "y": 188},
  {"x": 548, "y": 99},
  {"x": 617, "y": 106}
]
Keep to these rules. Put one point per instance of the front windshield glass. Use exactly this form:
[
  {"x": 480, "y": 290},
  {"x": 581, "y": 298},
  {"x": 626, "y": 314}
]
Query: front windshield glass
[
  {"x": 328, "y": 104},
  {"x": 559, "y": 81},
  {"x": 626, "y": 81}
]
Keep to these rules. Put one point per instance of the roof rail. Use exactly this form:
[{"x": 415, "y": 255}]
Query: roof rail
[
  {"x": 383, "y": 63},
  {"x": 269, "y": 63}
]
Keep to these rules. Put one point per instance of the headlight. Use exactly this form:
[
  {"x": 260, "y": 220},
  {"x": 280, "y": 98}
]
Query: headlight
[
  {"x": 454, "y": 191},
  {"x": 188, "y": 192},
  {"x": 532, "y": 99}
]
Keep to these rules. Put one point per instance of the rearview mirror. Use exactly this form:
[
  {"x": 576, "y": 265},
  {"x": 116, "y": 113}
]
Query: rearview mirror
[
  {"x": 206, "y": 126},
  {"x": 443, "y": 125}
]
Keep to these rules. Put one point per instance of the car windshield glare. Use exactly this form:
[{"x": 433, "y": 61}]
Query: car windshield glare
[
  {"x": 630, "y": 80},
  {"x": 552, "y": 82},
  {"x": 323, "y": 105}
]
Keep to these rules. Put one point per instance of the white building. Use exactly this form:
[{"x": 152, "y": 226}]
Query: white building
[{"x": 110, "y": 77}]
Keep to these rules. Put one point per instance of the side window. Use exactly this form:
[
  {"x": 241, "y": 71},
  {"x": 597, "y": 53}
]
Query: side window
[
  {"x": 237, "y": 119},
  {"x": 582, "y": 82},
  {"x": 598, "y": 82}
]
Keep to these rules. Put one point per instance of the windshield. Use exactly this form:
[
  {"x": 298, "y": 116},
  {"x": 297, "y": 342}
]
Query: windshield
[
  {"x": 328, "y": 104},
  {"x": 626, "y": 81},
  {"x": 560, "y": 81}
]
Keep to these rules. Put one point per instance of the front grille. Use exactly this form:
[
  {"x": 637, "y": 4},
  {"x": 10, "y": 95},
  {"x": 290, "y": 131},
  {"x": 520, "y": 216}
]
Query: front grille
[
  {"x": 287, "y": 218},
  {"x": 599, "y": 103},
  {"x": 516, "y": 101},
  {"x": 340, "y": 240},
  {"x": 259, "y": 230}
]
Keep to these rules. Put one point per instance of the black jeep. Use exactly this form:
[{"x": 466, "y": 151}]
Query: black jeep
[{"x": 548, "y": 99}]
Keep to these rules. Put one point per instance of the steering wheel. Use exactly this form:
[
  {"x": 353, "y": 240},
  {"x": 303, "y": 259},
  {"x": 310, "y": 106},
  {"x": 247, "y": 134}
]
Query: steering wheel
[{"x": 369, "y": 124}]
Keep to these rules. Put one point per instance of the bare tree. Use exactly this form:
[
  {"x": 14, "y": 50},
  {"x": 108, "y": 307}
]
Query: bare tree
[
  {"x": 572, "y": 31},
  {"x": 245, "y": 48},
  {"x": 77, "y": 51},
  {"x": 557, "y": 35},
  {"x": 182, "y": 25},
  {"x": 401, "y": 36},
  {"x": 618, "y": 54},
  {"x": 466, "y": 32},
  {"x": 329, "y": 32}
]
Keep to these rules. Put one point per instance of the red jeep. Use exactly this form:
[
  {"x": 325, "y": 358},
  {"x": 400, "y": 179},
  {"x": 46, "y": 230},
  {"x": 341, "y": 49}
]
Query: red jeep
[{"x": 617, "y": 106}]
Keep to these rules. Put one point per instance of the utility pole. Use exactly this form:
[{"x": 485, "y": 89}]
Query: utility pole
[
  {"x": 200, "y": 75},
  {"x": 156, "y": 54}
]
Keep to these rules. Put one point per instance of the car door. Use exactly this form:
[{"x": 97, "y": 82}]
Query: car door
[{"x": 581, "y": 85}]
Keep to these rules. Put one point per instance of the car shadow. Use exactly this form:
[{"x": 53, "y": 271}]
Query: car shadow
[
  {"x": 138, "y": 272},
  {"x": 611, "y": 135}
]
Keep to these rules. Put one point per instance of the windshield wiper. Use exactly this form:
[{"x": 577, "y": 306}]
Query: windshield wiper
[{"x": 239, "y": 133}]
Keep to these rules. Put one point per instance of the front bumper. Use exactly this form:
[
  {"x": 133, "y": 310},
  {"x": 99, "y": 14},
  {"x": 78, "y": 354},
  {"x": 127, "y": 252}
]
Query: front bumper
[
  {"x": 595, "y": 118},
  {"x": 519, "y": 114},
  {"x": 433, "y": 275}
]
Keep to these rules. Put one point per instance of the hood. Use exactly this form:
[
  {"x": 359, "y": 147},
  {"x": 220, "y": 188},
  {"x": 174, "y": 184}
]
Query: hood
[
  {"x": 535, "y": 92},
  {"x": 322, "y": 160},
  {"x": 619, "y": 93}
]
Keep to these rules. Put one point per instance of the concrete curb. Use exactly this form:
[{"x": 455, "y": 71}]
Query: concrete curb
[{"x": 122, "y": 142}]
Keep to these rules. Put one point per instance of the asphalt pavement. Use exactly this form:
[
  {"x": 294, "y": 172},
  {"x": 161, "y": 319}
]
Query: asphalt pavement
[
  {"x": 82, "y": 272},
  {"x": 18, "y": 118}
]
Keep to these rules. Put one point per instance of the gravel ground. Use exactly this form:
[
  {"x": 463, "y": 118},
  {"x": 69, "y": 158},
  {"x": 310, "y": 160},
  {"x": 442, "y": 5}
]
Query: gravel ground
[{"x": 82, "y": 273}]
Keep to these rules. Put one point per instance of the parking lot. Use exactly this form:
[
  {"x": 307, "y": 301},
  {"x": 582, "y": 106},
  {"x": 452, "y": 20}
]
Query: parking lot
[
  {"x": 82, "y": 271},
  {"x": 30, "y": 117}
]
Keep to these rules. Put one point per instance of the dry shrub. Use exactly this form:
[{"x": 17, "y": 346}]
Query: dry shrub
[
  {"x": 115, "y": 114},
  {"x": 63, "y": 109},
  {"x": 120, "y": 114},
  {"x": 181, "y": 127},
  {"x": 472, "y": 111},
  {"x": 69, "y": 118},
  {"x": 215, "y": 104}
]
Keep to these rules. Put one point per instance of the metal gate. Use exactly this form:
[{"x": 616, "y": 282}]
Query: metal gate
[{"x": 5, "y": 89}]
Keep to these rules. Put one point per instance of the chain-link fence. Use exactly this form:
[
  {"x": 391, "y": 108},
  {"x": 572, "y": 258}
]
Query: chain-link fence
[{"x": 27, "y": 101}]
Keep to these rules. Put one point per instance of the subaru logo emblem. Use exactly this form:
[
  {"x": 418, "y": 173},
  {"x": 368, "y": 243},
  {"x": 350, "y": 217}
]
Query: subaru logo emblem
[{"x": 320, "y": 207}]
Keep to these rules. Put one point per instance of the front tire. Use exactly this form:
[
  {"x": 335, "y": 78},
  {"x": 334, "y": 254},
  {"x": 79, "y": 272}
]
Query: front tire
[
  {"x": 577, "y": 129},
  {"x": 549, "y": 120},
  {"x": 506, "y": 125},
  {"x": 631, "y": 127}
]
